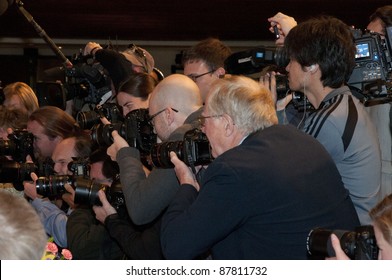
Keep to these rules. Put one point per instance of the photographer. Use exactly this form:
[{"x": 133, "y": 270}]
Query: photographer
[
  {"x": 137, "y": 242},
  {"x": 20, "y": 96},
  {"x": 121, "y": 65},
  {"x": 134, "y": 92},
  {"x": 381, "y": 215},
  {"x": 87, "y": 238},
  {"x": 204, "y": 63},
  {"x": 49, "y": 125},
  {"x": 10, "y": 120},
  {"x": 253, "y": 203},
  {"x": 174, "y": 108},
  {"x": 52, "y": 217},
  {"x": 321, "y": 52},
  {"x": 380, "y": 19}
]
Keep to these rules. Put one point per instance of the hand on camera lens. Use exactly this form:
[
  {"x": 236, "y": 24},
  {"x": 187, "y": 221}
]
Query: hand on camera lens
[
  {"x": 340, "y": 255},
  {"x": 104, "y": 120},
  {"x": 69, "y": 196},
  {"x": 30, "y": 188},
  {"x": 268, "y": 81},
  {"x": 183, "y": 172},
  {"x": 118, "y": 143},
  {"x": 101, "y": 212}
]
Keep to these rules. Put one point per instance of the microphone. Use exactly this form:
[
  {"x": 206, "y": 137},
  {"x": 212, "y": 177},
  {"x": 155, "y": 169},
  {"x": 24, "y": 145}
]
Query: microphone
[{"x": 4, "y": 4}]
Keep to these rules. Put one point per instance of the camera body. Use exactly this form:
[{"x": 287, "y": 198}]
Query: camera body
[
  {"x": 194, "y": 150},
  {"x": 88, "y": 119},
  {"x": 372, "y": 74},
  {"x": 136, "y": 129},
  {"x": 360, "y": 244},
  {"x": 19, "y": 145}
]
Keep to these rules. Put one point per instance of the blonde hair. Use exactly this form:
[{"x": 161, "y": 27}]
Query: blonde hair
[
  {"x": 249, "y": 105},
  {"x": 12, "y": 118},
  {"x": 381, "y": 215},
  {"x": 22, "y": 235},
  {"x": 25, "y": 93}
]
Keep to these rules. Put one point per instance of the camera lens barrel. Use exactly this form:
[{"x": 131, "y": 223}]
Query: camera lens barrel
[
  {"x": 52, "y": 186},
  {"x": 86, "y": 191}
]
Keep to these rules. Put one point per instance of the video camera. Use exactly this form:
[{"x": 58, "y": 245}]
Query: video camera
[
  {"x": 88, "y": 119},
  {"x": 360, "y": 244},
  {"x": 255, "y": 60},
  {"x": 19, "y": 145},
  {"x": 85, "y": 82},
  {"x": 194, "y": 150},
  {"x": 86, "y": 189},
  {"x": 16, "y": 172},
  {"x": 372, "y": 74},
  {"x": 86, "y": 79}
]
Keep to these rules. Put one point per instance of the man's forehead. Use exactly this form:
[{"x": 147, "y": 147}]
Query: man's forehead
[{"x": 64, "y": 149}]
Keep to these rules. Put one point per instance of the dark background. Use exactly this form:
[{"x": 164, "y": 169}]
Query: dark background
[
  {"x": 172, "y": 21},
  {"x": 234, "y": 20}
]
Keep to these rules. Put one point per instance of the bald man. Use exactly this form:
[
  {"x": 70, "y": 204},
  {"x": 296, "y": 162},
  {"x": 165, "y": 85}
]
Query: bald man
[{"x": 175, "y": 106}]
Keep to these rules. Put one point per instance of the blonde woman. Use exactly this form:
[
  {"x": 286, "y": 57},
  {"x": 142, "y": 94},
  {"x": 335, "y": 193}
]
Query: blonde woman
[{"x": 21, "y": 96}]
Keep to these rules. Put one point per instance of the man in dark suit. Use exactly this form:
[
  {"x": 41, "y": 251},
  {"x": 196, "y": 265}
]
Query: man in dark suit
[{"x": 267, "y": 187}]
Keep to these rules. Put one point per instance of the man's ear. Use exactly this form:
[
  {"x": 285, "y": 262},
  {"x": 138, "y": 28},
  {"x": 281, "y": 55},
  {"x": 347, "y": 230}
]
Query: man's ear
[
  {"x": 228, "y": 125},
  {"x": 313, "y": 68},
  {"x": 220, "y": 72}
]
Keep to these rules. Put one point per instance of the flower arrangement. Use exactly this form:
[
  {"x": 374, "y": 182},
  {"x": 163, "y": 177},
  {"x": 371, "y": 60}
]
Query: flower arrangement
[{"x": 52, "y": 252}]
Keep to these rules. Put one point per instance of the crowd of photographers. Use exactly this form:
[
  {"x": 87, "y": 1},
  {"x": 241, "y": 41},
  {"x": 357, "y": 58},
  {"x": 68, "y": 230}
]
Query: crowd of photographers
[{"x": 203, "y": 165}]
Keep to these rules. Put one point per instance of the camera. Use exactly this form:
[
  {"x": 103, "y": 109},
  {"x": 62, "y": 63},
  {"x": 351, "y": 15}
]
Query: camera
[
  {"x": 360, "y": 244},
  {"x": 86, "y": 193},
  {"x": 14, "y": 172},
  {"x": 255, "y": 60},
  {"x": 86, "y": 79},
  {"x": 372, "y": 73},
  {"x": 194, "y": 150},
  {"x": 86, "y": 190},
  {"x": 53, "y": 185},
  {"x": 19, "y": 145},
  {"x": 136, "y": 129},
  {"x": 111, "y": 111}
]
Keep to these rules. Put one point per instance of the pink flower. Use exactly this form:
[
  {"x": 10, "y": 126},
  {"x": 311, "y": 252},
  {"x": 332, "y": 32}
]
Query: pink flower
[
  {"x": 67, "y": 254},
  {"x": 51, "y": 247}
]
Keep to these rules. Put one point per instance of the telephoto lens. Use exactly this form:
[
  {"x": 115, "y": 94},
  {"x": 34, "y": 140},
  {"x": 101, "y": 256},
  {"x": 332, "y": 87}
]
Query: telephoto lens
[
  {"x": 360, "y": 244},
  {"x": 52, "y": 186}
]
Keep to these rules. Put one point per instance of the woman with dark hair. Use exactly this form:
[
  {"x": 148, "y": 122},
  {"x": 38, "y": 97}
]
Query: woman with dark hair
[{"x": 134, "y": 92}]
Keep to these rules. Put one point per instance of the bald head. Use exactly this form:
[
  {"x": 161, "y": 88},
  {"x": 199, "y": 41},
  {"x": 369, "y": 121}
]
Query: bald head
[{"x": 177, "y": 91}]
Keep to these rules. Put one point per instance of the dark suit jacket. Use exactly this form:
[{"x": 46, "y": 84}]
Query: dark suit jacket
[{"x": 259, "y": 200}]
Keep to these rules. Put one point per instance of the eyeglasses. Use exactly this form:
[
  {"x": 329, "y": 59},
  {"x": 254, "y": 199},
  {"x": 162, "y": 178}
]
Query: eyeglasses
[
  {"x": 157, "y": 113},
  {"x": 195, "y": 77},
  {"x": 139, "y": 52},
  {"x": 202, "y": 119}
]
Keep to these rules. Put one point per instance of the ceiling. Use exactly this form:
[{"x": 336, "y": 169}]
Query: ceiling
[{"x": 170, "y": 20}]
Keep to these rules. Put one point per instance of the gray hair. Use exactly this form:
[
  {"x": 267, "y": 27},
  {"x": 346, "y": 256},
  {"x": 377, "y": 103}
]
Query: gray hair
[
  {"x": 249, "y": 105},
  {"x": 22, "y": 234}
]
